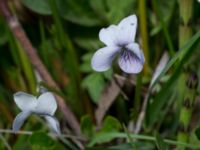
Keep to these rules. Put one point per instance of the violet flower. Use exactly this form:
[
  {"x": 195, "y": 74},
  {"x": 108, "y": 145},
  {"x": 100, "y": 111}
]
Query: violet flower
[
  {"x": 45, "y": 105},
  {"x": 119, "y": 41}
]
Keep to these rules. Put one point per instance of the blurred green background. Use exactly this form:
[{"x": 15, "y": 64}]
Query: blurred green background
[{"x": 65, "y": 35}]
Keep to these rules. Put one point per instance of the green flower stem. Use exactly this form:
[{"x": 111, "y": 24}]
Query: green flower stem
[
  {"x": 138, "y": 93},
  {"x": 144, "y": 35}
]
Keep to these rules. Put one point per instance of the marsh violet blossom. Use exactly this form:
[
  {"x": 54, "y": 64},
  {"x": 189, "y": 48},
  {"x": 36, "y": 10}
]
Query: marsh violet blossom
[
  {"x": 45, "y": 105},
  {"x": 119, "y": 41}
]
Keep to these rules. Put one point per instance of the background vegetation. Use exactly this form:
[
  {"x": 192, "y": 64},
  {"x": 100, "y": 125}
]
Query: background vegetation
[{"x": 109, "y": 106}]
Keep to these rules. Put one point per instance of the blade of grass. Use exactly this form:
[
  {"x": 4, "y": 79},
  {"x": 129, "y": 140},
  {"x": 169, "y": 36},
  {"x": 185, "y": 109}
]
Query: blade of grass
[
  {"x": 165, "y": 30},
  {"x": 185, "y": 51},
  {"x": 114, "y": 135},
  {"x": 22, "y": 62},
  {"x": 182, "y": 55},
  {"x": 70, "y": 58}
]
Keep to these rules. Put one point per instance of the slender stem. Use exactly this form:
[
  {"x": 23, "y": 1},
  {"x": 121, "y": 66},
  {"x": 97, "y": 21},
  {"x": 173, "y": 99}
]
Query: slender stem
[
  {"x": 138, "y": 92},
  {"x": 142, "y": 114},
  {"x": 144, "y": 33},
  {"x": 5, "y": 142},
  {"x": 9, "y": 131},
  {"x": 19, "y": 34},
  {"x": 140, "y": 137}
]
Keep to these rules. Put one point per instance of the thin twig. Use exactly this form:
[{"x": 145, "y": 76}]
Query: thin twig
[
  {"x": 141, "y": 116},
  {"x": 31, "y": 52},
  {"x": 5, "y": 142},
  {"x": 50, "y": 134}
]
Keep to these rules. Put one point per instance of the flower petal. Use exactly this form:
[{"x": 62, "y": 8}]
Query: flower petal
[
  {"x": 53, "y": 123},
  {"x": 24, "y": 101},
  {"x": 19, "y": 120},
  {"x": 102, "y": 59},
  {"x": 109, "y": 35},
  {"x": 131, "y": 59},
  {"x": 134, "y": 47},
  {"x": 127, "y": 29},
  {"x": 46, "y": 104}
]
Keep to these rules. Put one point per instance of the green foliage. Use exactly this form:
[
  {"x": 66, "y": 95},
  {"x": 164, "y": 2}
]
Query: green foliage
[
  {"x": 4, "y": 32},
  {"x": 65, "y": 34},
  {"x": 197, "y": 133},
  {"x": 160, "y": 143},
  {"x": 94, "y": 83},
  {"x": 87, "y": 126},
  {"x": 183, "y": 54},
  {"x": 39, "y": 6},
  {"x": 74, "y": 12},
  {"x": 41, "y": 141},
  {"x": 110, "y": 124}
]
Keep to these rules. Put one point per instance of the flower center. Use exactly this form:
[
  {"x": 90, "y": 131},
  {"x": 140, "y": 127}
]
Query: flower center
[{"x": 128, "y": 55}]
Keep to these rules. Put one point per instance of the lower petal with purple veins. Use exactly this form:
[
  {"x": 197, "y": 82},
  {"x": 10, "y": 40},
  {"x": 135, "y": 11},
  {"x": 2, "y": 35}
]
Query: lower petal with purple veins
[{"x": 131, "y": 60}]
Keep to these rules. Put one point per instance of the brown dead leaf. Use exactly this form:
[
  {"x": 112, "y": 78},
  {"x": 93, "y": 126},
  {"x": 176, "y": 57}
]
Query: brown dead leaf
[{"x": 107, "y": 98}]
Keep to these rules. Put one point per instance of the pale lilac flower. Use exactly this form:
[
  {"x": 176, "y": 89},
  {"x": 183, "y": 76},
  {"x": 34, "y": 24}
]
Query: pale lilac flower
[
  {"x": 119, "y": 41},
  {"x": 45, "y": 105}
]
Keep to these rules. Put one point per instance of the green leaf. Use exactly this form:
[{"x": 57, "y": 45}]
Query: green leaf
[
  {"x": 160, "y": 143},
  {"x": 86, "y": 65},
  {"x": 87, "y": 126},
  {"x": 38, "y": 6},
  {"x": 4, "y": 32},
  {"x": 78, "y": 12},
  {"x": 41, "y": 141},
  {"x": 21, "y": 143},
  {"x": 114, "y": 14},
  {"x": 91, "y": 44},
  {"x": 99, "y": 7},
  {"x": 99, "y": 148},
  {"x": 110, "y": 124},
  {"x": 108, "y": 74},
  {"x": 138, "y": 146},
  {"x": 94, "y": 83},
  {"x": 197, "y": 132}
]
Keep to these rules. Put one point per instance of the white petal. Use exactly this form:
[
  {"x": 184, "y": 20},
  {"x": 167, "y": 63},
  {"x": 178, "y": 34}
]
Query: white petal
[
  {"x": 24, "y": 101},
  {"x": 53, "y": 123},
  {"x": 127, "y": 29},
  {"x": 131, "y": 59},
  {"x": 46, "y": 104},
  {"x": 19, "y": 120},
  {"x": 102, "y": 59},
  {"x": 109, "y": 35}
]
